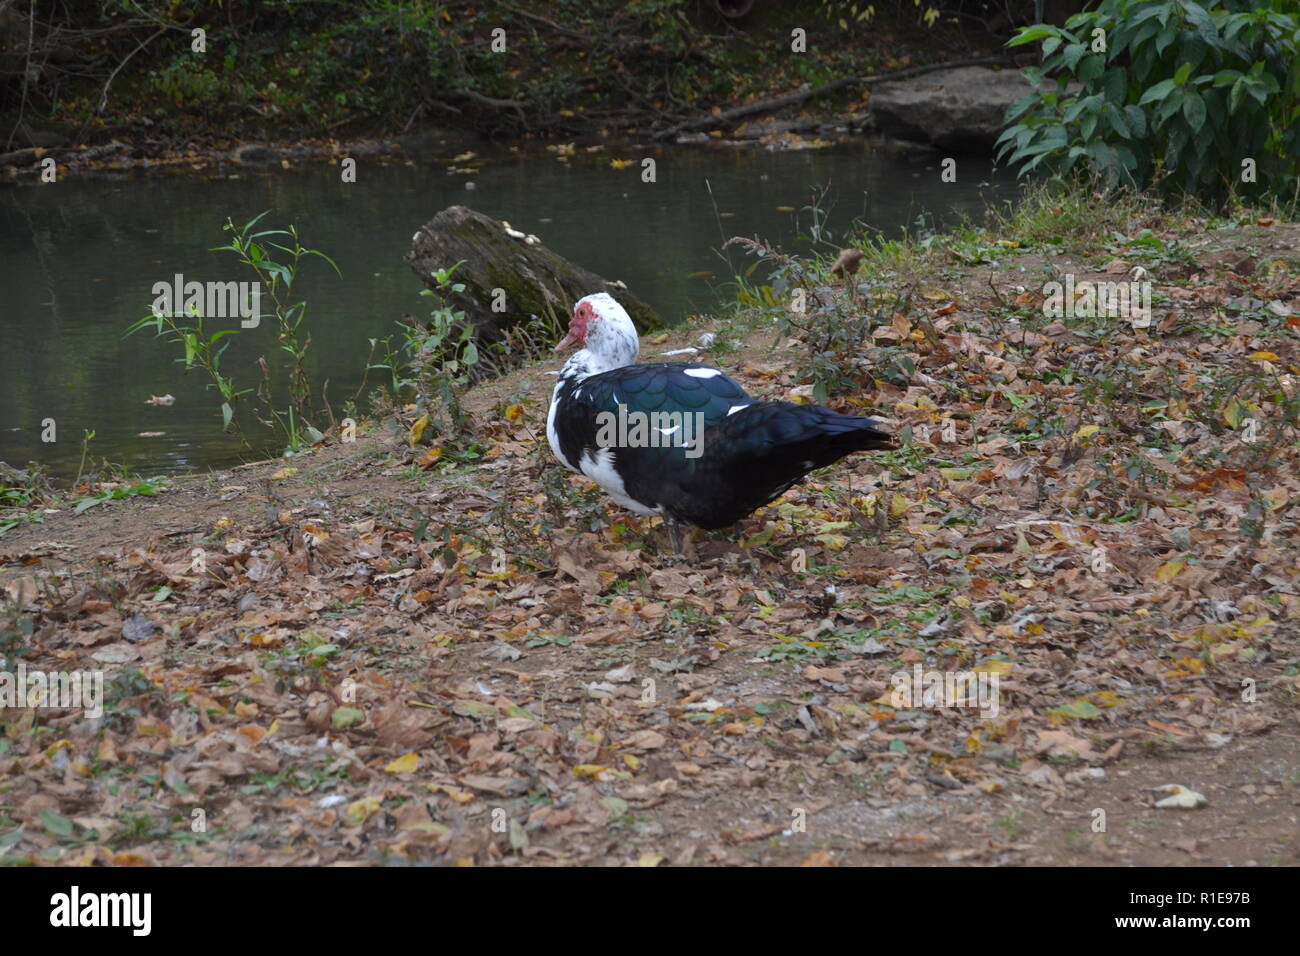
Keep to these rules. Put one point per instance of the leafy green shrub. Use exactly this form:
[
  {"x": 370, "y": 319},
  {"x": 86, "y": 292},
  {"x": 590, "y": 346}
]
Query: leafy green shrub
[
  {"x": 1174, "y": 94},
  {"x": 995, "y": 15},
  {"x": 185, "y": 84},
  {"x": 435, "y": 363},
  {"x": 443, "y": 355},
  {"x": 23, "y": 493},
  {"x": 276, "y": 265}
]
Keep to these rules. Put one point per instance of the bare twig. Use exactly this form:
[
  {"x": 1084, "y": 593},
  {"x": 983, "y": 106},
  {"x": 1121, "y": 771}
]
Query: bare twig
[
  {"x": 1002, "y": 303},
  {"x": 103, "y": 96},
  {"x": 27, "y": 71},
  {"x": 543, "y": 20},
  {"x": 493, "y": 103}
]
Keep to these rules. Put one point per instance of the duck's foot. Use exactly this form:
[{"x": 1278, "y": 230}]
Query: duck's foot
[{"x": 683, "y": 546}]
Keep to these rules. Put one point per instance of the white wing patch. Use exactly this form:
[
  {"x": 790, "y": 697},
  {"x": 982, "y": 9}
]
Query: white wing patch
[
  {"x": 735, "y": 408},
  {"x": 600, "y": 469},
  {"x": 702, "y": 372}
]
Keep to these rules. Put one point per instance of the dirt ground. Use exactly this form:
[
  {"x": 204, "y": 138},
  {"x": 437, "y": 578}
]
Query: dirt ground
[{"x": 387, "y": 658}]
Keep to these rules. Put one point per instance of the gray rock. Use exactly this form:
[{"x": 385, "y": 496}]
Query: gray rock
[{"x": 963, "y": 109}]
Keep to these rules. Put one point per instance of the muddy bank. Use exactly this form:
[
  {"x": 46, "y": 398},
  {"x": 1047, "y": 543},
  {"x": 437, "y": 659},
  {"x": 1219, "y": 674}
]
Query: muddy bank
[{"x": 957, "y": 105}]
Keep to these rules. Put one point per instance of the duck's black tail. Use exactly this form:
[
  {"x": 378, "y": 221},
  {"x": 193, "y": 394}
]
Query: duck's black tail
[{"x": 751, "y": 457}]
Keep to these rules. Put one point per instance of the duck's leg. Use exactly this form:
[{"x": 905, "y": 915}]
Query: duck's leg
[{"x": 675, "y": 530}]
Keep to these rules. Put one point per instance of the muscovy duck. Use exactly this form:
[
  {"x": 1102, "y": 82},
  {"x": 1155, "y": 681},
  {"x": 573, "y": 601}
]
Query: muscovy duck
[{"x": 682, "y": 440}]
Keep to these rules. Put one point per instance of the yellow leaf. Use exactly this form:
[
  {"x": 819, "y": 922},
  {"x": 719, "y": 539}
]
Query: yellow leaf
[
  {"x": 514, "y": 413},
  {"x": 1237, "y": 411},
  {"x": 404, "y": 764},
  {"x": 993, "y": 667},
  {"x": 650, "y": 859},
  {"x": 456, "y": 793},
  {"x": 1169, "y": 570},
  {"x": 1087, "y": 430},
  {"x": 1266, "y": 356},
  {"x": 417, "y": 430},
  {"x": 359, "y": 811},
  {"x": 426, "y": 826}
]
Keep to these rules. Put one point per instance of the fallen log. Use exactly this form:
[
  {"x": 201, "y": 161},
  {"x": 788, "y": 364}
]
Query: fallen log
[
  {"x": 24, "y": 156},
  {"x": 531, "y": 285},
  {"x": 799, "y": 96},
  {"x": 96, "y": 152},
  {"x": 66, "y": 157}
]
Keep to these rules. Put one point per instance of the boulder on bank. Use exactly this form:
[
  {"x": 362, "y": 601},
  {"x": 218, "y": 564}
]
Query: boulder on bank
[
  {"x": 963, "y": 109},
  {"x": 535, "y": 280}
]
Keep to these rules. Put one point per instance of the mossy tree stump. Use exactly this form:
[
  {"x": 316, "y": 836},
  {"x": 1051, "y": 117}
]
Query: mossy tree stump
[{"x": 537, "y": 283}]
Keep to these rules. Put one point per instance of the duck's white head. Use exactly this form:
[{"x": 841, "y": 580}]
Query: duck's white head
[{"x": 605, "y": 332}]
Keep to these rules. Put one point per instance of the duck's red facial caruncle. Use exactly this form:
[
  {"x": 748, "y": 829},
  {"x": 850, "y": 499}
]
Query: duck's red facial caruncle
[{"x": 583, "y": 315}]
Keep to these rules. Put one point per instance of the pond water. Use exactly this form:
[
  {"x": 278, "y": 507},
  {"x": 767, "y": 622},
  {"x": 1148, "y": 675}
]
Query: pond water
[{"x": 78, "y": 261}]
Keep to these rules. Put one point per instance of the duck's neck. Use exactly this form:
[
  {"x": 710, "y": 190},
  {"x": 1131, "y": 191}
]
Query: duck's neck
[{"x": 585, "y": 363}]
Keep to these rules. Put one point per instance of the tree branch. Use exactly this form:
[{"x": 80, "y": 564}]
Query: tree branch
[
  {"x": 543, "y": 20},
  {"x": 793, "y": 99},
  {"x": 103, "y": 96}
]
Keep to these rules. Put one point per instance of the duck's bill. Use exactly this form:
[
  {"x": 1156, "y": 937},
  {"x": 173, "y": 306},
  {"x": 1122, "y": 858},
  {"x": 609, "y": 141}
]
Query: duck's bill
[{"x": 568, "y": 341}]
